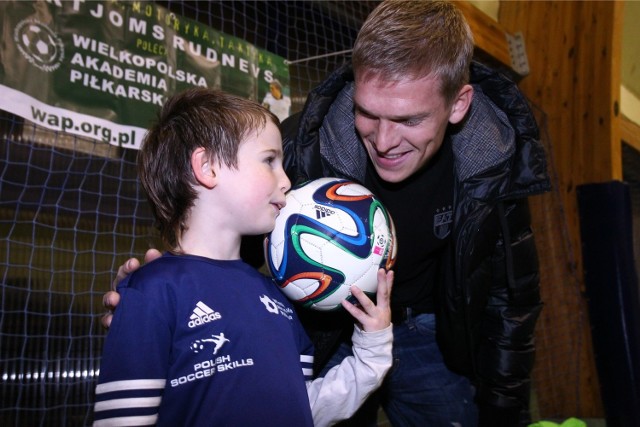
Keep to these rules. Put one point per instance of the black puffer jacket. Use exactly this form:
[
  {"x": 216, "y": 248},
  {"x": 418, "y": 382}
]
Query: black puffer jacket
[{"x": 489, "y": 300}]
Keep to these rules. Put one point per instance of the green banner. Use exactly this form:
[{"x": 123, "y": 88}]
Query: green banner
[{"x": 102, "y": 69}]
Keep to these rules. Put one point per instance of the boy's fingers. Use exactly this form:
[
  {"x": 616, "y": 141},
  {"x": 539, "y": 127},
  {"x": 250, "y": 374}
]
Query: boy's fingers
[
  {"x": 363, "y": 299},
  {"x": 355, "y": 311},
  {"x": 385, "y": 284},
  {"x": 372, "y": 316}
]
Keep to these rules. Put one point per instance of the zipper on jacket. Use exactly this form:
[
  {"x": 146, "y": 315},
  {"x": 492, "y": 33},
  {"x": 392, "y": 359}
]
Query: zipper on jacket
[
  {"x": 508, "y": 255},
  {"x": 461, "y": 275}
]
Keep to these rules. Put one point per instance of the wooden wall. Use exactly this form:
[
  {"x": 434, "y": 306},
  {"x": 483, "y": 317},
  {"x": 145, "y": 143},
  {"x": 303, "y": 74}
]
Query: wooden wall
[{"x": 573, "y": 49}]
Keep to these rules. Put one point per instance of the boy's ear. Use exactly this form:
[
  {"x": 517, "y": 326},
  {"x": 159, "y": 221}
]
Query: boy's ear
[
  {"x": 203, "y": 168},
  {"x": 461, "y": 104}
]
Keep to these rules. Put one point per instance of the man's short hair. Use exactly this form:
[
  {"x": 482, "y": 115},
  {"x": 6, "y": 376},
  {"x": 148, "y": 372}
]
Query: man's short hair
[{"x": 413, "y": 39}]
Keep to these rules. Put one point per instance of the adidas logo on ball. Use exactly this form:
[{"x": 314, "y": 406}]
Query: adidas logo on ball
[{"x": 322, "y": 212}]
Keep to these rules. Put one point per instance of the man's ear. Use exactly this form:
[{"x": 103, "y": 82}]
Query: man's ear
[
  {"x": 203, "y": 168},
  {"x": 461, "y": 104}
]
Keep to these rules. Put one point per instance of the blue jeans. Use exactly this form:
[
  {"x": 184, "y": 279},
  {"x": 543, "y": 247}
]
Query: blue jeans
[{"x": 419, "y": 389}]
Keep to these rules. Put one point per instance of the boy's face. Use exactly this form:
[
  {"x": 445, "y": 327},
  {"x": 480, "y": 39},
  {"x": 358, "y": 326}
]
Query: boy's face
[
  {"x": 256, "y": 188},
  {"x": 401, "y": 123}
]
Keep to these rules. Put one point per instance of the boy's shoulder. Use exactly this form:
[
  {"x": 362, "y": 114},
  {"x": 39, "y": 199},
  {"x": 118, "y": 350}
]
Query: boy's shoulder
[
  {"x": 171, "y": 270},
  {"x": 164, "y": 270}
]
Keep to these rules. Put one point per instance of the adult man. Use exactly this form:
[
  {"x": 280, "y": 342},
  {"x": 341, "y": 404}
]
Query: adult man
[
  {"x": 454, "y": 163},
  {"x": 276, "y": 101}
]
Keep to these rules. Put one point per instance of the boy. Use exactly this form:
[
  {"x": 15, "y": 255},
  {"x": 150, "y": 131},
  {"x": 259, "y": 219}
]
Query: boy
[{"x": 215, "y": 342}]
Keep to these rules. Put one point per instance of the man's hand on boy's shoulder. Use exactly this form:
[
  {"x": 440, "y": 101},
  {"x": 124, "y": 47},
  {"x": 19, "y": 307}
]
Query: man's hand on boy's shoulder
[{"x": 111, "y": 299}]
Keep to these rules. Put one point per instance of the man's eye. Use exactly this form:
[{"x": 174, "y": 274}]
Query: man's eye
[
  {"x": 411, "y": 122},
  {"x": 364, "y": 115}
]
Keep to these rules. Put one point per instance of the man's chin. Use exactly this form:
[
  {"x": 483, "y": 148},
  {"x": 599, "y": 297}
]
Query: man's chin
[{"x": 392, "y": 175}]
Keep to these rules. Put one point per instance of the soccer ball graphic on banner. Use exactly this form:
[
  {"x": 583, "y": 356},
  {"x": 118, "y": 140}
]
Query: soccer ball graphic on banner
[
  {"x": 332, "y": 234},
  {"x": 39, "y": 44}
]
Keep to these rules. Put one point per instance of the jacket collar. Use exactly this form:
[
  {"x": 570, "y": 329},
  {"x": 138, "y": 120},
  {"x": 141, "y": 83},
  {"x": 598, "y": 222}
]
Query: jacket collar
[{"x": 493, "y": 143}]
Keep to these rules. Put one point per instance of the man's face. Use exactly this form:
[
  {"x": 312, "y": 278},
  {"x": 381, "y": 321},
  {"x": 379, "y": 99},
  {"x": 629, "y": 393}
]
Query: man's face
[
  {"x": 275, "y": 91},
  {"x": 402, "y": 123}
]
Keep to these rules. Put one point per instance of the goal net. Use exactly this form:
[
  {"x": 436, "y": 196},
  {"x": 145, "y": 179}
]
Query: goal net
[{"x": 72, "y": 211}]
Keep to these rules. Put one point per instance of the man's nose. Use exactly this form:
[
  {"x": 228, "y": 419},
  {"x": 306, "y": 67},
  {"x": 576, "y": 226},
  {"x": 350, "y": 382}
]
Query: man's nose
[{"x": 387, "y": 136}]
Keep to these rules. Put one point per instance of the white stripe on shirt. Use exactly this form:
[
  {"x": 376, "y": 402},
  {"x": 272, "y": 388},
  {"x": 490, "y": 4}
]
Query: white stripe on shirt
[
  {"x": 146, "y": 420},
  {"x": 134, "y": 402},
  {"x": 130, "y": 385}
]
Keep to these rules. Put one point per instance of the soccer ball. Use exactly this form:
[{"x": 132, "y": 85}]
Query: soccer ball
[{"x": 332, "y": 234}]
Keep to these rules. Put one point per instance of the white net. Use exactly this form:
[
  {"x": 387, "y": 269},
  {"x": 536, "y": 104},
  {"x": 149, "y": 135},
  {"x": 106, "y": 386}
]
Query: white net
[{"x": 71, "y": 211}]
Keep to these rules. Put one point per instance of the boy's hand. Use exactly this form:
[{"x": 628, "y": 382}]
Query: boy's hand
[
  {"x": 373, "y": 317},
  {"x": 112, "y": 298}
]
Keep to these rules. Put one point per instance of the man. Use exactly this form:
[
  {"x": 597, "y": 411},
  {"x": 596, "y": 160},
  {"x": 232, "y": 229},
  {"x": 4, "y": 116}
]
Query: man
[
  {"x": 453, "y": 160},
  {"x": 276, "y": 101}
]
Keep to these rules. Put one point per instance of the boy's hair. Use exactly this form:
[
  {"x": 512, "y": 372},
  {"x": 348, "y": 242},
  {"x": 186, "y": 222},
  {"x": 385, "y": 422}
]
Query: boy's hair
[
  {"x": 195, "y": 118},
  {"x": 413, "y": 39}
]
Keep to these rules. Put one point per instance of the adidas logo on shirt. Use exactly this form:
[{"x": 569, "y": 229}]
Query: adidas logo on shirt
[{"x": 202, "y": 314}]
